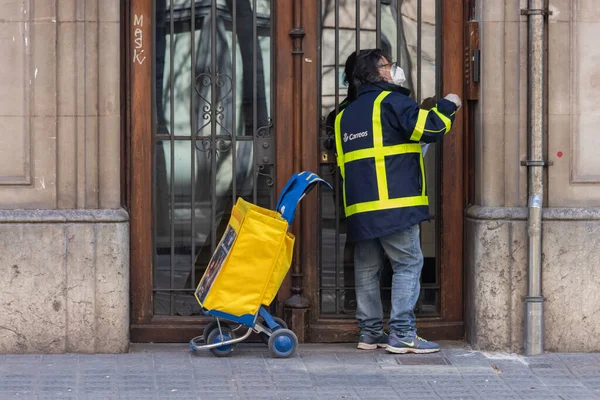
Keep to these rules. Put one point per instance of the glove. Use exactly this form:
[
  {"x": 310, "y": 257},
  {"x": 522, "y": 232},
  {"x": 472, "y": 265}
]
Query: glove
[
  {"x": 455, "y": 99},
  {"x": 428, "y": 103}
]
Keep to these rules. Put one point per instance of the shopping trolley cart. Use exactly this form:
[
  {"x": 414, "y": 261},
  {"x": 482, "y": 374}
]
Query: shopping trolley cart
[{"x": 246, "y": 271}]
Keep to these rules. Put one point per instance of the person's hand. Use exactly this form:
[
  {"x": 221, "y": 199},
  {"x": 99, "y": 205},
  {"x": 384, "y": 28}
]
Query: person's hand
[
  {"x": 428, "y": 103},
  {"x": 455, "y": 99}
]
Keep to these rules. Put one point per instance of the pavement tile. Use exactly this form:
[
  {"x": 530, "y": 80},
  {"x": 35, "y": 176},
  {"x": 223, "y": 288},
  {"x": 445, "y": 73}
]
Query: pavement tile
[
  {"x": 32, "y": 359},
  {"x": 376, "y": 395},
  {"x": 551, "y": 372},
  {"x": 417, "y": 395},
  {"x": 298, "y": 396},
  {"x": 560, "y": 381}
]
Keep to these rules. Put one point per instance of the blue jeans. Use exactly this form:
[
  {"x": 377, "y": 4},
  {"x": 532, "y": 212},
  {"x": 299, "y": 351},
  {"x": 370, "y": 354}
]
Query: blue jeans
[{"x": 403, "y": 248}]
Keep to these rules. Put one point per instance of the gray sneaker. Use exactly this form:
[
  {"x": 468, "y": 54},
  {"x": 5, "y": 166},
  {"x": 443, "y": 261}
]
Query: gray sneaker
[
  {"x": 413, "y": 344},
  {"x": 368, "y": 342}
]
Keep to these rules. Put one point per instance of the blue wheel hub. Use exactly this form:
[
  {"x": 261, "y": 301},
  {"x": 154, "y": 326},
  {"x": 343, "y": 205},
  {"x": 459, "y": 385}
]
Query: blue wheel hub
[
  {"x": 283, "y": 344},
  {"x": 223, "y": 338}
]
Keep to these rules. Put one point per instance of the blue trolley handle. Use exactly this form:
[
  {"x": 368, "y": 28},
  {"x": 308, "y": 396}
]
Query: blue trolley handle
[{"x": 294, "y": 191}]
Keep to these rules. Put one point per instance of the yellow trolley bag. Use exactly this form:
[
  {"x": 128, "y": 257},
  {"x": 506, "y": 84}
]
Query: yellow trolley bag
[
  {"x": 248, "y": 265},
  {"x": 246, "y": 271}
]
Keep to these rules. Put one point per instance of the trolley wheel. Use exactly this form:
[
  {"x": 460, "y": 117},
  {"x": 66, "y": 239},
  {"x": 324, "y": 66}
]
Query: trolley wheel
[
  {"x": 264, "y": 337},
  {"x": 283, "y": 343},
  {"x": 215, "y": 337},
  {"x": 212, "y": 326}
]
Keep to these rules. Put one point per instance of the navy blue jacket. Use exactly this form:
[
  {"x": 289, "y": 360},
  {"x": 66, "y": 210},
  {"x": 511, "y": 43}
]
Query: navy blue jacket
[{"x": 384, "y": 120}]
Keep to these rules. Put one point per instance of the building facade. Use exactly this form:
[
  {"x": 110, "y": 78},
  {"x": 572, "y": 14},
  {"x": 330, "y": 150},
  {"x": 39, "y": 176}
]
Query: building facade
[
  {"x": 496, "y": 228},
  {"x": 131, "y": 127},
  {"x": 64, "y": 233}
]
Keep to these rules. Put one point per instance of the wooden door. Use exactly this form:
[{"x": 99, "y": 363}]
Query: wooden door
[
  {"x": 426, "y": 38},
  {"x": 202, "y": 126}
]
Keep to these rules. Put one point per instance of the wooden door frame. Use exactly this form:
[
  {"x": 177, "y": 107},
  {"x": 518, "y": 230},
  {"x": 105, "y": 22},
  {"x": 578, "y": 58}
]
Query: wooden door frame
[
  {"x": 138, "y": 83},
  {"x": 137, "y": 162},
  {"x": 295, "y": 24},
  {"x": 450, "y": 324}
]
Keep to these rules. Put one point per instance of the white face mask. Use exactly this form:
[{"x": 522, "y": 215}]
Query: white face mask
[{"x": 397, "y": 74}]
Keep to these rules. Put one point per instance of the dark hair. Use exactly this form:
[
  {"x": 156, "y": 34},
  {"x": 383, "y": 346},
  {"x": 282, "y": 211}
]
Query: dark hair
[
  {"x": 367, "y": 67},
  {"x": 348, "y": 72},
  {"x": 349, "y": 68}
]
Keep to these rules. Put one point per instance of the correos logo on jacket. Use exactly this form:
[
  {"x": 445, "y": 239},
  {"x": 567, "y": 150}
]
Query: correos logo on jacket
[{"x": 353, "y": 136}]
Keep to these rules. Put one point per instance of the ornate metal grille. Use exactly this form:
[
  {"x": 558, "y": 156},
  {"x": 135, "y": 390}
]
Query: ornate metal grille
[
  {"x": 212, "y": 133},
  {"x": 409, "y": 31}
]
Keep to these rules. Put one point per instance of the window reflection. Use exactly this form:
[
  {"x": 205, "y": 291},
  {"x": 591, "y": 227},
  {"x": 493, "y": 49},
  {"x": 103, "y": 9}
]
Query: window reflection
[{"x": 212, "y": 98}]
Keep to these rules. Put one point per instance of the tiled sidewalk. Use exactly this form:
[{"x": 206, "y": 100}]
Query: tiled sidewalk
[{"x": 318, "y": 372}]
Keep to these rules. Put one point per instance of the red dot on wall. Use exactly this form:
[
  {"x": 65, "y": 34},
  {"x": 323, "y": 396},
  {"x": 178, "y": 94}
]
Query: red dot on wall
[{"x": 559, "y": 154}]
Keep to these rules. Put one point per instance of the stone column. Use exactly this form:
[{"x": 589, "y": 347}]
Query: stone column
[{"x": 64, "y": 238}]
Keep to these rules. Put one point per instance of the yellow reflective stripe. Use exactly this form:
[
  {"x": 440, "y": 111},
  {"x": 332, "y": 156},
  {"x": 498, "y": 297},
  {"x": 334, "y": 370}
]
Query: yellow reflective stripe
[
  {"x": 434, "y": 131},
  {"x": 420, "y": 126},
  {"x": 338, "y": 143},
  {"x": 382, "y": 185},
  {"x": 444, "y": 119},
  {"x": 386, "y": 204},
  {"x": 382, "y": 152},
  {"x": 422, "y": 174},
  {"x": 379, "y": 152},
  {"x": 377, "y": 130}
]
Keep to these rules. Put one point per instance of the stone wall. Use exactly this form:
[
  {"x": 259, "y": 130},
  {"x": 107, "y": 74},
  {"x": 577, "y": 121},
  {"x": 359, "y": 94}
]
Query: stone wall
[
  {"x": 65, "y": 281},
  {"x": 496, "y": 278},
  {"x": 63, "y": 235},
  {"x": 496, "y": 227}
]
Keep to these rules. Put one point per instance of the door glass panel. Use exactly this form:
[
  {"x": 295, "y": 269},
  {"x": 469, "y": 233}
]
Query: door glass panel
[
  {"x": 409, "y": 31},
  {"x": 213, "y": 133}
]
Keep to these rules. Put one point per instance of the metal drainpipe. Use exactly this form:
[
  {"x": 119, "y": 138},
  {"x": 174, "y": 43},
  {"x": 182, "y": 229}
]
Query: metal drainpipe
[{"x": 534, "y": 302}]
